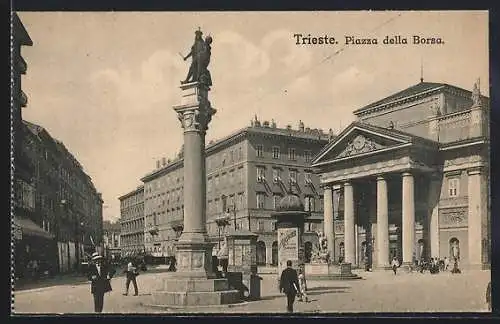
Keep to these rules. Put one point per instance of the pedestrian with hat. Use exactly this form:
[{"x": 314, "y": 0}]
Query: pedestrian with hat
[{"x": 100, "y": 274}]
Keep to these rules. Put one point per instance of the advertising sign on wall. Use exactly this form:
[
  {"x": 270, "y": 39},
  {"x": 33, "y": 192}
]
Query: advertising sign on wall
[{"x": 288, "y": 246}]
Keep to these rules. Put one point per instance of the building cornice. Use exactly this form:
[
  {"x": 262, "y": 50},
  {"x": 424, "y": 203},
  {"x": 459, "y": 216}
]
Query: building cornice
[{"x": 133, "y": 192}]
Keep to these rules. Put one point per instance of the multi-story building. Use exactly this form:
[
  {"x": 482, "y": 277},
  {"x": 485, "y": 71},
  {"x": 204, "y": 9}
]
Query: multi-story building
[
  {"x": 111, "y": 240},
  {"x": 132, "y": 222},
  {"x": 410, "y": 178},
  {"x": 247, "y": 173},
  {"x": 56, "y": 207},
  {"x": 66, "y": 203}
]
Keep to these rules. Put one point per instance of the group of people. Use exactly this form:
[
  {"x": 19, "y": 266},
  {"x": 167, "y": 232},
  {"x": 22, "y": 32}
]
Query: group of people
[
  {"x": 433, "y": 265},
  {"x": 100, "y": 274}
]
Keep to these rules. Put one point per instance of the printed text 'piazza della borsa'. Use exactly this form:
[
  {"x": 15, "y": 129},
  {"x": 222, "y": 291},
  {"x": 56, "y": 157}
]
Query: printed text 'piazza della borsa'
[{"x": 326, "y": 39}]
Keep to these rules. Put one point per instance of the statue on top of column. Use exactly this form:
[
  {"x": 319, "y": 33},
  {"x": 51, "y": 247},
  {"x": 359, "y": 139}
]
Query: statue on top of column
[
  {"x": 476, "y": 94},
  {"x": 200, "y": 54}
]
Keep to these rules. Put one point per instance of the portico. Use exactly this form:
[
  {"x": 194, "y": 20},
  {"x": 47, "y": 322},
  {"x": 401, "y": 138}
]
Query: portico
[{"x": 383, "y": 180}]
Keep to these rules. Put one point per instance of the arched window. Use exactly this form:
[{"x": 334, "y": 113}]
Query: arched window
[
  {"x": 454, "y": 248},
  {"x": 420, "y": 250},
  {"x": 261, "y": 253}
]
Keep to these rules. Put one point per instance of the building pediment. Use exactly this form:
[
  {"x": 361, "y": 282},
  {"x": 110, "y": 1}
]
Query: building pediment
[{"x": 359, "y": 140}]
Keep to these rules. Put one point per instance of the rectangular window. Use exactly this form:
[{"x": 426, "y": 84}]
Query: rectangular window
[
  {"x": 240, "y": 153},
  {"x": 307, "y": 178},
  {"x": 307, "y": 155},
  {"x": 276, "y": 200},
  {"x": 453, "y": 187},
  {"x": 261, "y": 200},
  {"x": 241, "y": 204},
  {"x": 276, "y": 152},
  {"x": 276, "y": 175},
  {"x": 260, "y": 226},
  {"x": 260, "y": 150},
  {"x": 241, "y": 172},
  {"x": 261, "y": 174},
  {"x": 216, "y": 185},
  {"x": 293, "y": 176},
  {"x": 209, "y": 184},
  {"x": 291, "y": 153},
  {"x": 309, "y": 203},
  {"x": 231, "y": 177}
]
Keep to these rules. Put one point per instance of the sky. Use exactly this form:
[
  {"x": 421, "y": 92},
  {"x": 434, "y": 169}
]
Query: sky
[{"x": 104, "y": 83}]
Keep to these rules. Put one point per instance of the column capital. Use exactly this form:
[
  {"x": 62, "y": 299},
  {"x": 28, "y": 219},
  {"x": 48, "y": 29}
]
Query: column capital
[
  {"x": 326, "y": 186},
  {"x": 381, "y": 177},
  {"x": 347, "y": 184},
  {"x": 407, "y": 174}
]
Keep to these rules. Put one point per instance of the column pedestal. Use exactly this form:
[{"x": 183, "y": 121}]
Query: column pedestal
[{"x": 194, "y": 283}]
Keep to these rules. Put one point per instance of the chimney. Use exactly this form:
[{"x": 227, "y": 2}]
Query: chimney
[
  {"x": 158, "y": 164},
  {"x": 301, "y": 126},
  {"x": 164, "y": 161}
]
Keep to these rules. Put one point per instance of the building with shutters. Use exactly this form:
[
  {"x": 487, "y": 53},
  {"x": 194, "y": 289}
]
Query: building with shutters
[
  {"x": 132, "y": 222},
  {"x": 247, "y": 174}
]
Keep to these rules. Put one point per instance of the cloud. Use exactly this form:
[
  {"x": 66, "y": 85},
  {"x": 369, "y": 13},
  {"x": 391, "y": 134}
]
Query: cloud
[
  {"x": 281, "y": 47},
  {"x": 239, "y": 56}
]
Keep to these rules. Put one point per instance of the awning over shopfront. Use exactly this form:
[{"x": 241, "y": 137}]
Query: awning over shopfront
[{"x": 29, "y": 228}]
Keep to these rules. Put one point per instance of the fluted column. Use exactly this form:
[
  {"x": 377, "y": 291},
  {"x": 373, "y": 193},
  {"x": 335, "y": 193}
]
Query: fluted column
[
  {"x": 382, "y": 240},
  {"x": 349, "y": 232},
  {"x": 408, "y": 218},
  {"x": 328, "y": 221}
]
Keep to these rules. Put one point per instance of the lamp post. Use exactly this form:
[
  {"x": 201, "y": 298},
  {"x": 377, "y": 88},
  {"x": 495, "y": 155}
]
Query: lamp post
[{"x": 221, "y": 223}]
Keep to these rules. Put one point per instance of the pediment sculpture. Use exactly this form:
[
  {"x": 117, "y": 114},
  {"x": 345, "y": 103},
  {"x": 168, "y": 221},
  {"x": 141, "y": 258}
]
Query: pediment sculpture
[{"x": 360, "y": 144}]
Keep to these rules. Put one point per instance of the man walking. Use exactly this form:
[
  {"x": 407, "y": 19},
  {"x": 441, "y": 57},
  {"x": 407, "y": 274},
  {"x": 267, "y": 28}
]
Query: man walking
[
  {"x": 289, "y": 284},
  {"x": 131, "y": 274},
  {"x": 100, "y": 275}
]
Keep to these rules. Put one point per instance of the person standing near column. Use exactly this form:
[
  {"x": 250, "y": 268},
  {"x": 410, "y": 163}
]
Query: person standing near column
[{"x": 289, "y": 284}]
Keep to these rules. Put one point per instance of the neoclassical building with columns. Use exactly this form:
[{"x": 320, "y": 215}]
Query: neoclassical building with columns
[{"x": 410, "y": 179}]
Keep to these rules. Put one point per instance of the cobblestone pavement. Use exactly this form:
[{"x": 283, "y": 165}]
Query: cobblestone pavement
[{"x": 376, "y": 292}]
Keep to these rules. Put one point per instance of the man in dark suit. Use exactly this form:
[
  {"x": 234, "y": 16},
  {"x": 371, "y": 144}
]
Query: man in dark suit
[
  {"x": 289, "y": 284},
  {"x": 100, "y": 275}
]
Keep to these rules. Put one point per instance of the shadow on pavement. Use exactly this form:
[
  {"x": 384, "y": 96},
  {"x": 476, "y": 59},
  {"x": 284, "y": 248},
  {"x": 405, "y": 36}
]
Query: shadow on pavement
[{"x": 327, "y": 288}]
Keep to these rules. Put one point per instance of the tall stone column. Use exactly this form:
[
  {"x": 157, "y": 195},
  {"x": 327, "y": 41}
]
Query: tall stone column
[
  {"x": 349, "y": 223},
  {"x": 382, "y": 240},
  {"x": 194, "y": 252},
  {"x": 328, "y": 221},
  {"x": 194, "y": 282},
  {"x": 408, "y": 218},
  {"x": 477, "y": 212},
  {"x": 434, "y": 194}
]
